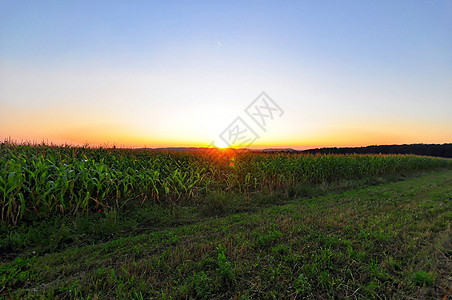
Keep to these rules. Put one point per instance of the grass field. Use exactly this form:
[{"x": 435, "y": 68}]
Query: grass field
[{"x": 384, "y": 233}]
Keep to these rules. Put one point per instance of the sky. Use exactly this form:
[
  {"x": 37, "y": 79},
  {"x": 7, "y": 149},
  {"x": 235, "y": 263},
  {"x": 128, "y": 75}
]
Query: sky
[{"x": 192, "y": 73}]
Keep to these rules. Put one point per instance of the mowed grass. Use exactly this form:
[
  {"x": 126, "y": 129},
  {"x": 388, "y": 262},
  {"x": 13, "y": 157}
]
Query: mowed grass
[{"x": 387, "y": 241}]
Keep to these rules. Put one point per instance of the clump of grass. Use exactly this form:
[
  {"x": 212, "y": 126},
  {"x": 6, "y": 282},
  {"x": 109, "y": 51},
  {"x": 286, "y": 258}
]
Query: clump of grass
[
  {"x": 422, "y": 278},
  {"x": 201, "y": 285}
]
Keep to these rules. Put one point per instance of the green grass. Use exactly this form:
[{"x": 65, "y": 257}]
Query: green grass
[{"x": 325, "y": 240}]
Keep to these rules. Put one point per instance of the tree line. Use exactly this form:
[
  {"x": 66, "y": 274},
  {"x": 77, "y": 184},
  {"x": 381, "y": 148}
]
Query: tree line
[{"x": 438, "y": 150}]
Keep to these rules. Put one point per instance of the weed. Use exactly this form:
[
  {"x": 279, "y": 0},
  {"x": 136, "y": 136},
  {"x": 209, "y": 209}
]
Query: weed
[{"x": 224, "y": 266}]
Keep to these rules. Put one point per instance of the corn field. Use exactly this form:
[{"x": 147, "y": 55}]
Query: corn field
[{"x": 43, "y": 180}]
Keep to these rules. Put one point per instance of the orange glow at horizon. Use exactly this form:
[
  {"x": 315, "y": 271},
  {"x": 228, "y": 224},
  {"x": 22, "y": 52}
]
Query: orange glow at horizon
[
  {"x": 54, "y": 128},
  {"x": 56, "y": 125}
]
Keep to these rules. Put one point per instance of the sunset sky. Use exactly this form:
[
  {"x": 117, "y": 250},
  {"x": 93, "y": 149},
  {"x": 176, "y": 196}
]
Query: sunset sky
[{"x": 178, "y": 73}]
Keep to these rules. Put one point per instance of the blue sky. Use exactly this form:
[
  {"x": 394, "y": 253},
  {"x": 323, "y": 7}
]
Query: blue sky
[{"x": 174, "y": 73}]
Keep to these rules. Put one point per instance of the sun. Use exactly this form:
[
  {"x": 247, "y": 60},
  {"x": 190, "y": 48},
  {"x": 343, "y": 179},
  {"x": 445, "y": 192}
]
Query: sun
[{"x": 221, "y": 144}]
